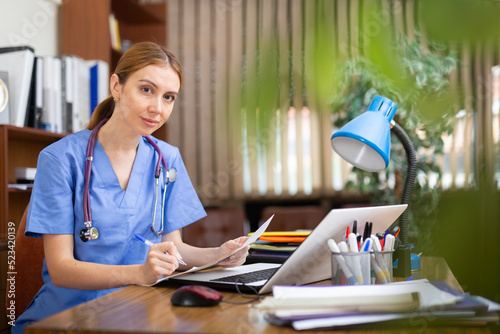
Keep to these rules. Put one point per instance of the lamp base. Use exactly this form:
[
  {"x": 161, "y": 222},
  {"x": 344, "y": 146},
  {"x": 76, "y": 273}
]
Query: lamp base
[{"x": 403, "y": 255}]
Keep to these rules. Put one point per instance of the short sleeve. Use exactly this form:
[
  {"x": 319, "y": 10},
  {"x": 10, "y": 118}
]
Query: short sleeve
[{"x": 51, "y": 203}]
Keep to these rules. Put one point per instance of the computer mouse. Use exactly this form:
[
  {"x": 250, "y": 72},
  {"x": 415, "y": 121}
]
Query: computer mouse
[{"x": 196, "y": 295}]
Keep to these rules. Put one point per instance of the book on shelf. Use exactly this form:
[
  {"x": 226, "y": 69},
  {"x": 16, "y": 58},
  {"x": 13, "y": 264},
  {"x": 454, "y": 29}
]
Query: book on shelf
[
  {"x": 114, "y": 32},
  {"x": 55, "y": 93},
  {"x": 65, "y": 90},
  {"x": 99, "y": 82},
  {"x": 18, "y": 61}
]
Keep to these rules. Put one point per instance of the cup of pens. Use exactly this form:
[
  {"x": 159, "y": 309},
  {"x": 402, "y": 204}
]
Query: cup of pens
[
  {"x": 365, "y": 261},
  {"x": 350, "y": 264},
  {"x": 351, "y": 268}
]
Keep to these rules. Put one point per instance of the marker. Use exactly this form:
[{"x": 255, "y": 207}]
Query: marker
[
  {"x": 385, "y": 237},
  {"x": 353, "y": 243},
  {"x": 367, "y": 245},
  {"x": 149, "y": 243},
  {"x": 378, "y": 271},
  {"x": 356, "y": 264},
  {"x": 378, "y": 248},
  {"x": 389, "y": 242},
  {"x": 341, "y": 261}
]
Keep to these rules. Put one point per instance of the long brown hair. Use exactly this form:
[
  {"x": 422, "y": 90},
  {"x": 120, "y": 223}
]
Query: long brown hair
[{"x": 137, "y": 57}]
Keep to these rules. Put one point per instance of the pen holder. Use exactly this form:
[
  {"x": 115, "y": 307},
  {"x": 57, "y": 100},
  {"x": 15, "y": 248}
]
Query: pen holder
[
  {"x": 350, "y": 268},
  {"x": 381, "y": 267}
]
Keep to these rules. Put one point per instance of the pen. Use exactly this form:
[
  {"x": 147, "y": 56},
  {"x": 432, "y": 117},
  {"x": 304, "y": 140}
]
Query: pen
[
  {"x": 347, "y": 233},
  {"x": 149, "y": 243},
  {"x": 365, "y": 231},
  {"x": 341, "y": 261}
]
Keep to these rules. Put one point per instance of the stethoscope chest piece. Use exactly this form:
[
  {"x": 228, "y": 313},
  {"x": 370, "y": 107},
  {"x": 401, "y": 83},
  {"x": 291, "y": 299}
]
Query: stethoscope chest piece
[
  {"x": 171, "y": 175},
  {"x": 89, "y": 234}
]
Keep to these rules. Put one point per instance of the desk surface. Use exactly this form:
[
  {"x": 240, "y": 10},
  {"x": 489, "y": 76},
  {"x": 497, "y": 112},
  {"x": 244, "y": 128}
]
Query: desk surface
[{"x": 139, "y": 309}]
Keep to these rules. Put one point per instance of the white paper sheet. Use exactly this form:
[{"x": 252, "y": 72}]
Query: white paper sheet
[{"x": 249, "y": 241}]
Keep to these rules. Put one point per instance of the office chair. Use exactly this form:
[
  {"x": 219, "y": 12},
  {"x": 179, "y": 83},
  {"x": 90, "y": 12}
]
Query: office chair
[
  {"x": 29, "y": 257},
  {"x": 291, "y": 218},
  {"x": 219, "y": 226}
]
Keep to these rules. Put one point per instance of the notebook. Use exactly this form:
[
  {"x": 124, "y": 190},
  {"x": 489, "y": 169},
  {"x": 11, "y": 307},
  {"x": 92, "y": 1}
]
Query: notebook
[{"x": 309, "y": 263}]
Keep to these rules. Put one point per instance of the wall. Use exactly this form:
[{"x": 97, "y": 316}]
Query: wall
[{"x": 30, "y": 22}]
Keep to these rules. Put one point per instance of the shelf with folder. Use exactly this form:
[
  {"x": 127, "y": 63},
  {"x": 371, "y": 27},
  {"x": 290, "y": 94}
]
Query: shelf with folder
[
  {"x": 86, "y": 26},
  {"x": 86, "y": 33},
  {"x": 19, "y": 147}
]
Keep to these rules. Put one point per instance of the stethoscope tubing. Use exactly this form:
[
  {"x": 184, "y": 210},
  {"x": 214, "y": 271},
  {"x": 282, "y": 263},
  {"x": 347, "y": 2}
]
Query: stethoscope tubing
[{"x": 89, "y": 155}]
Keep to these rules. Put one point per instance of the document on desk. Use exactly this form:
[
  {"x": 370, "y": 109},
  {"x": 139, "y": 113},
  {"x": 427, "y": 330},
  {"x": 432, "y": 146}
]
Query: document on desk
[
  {"x": 248, "y": 242},
  {"x": 437, "y": 301}
]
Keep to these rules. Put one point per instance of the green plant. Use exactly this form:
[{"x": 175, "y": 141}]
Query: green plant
[{"x": 425, "y": 111}]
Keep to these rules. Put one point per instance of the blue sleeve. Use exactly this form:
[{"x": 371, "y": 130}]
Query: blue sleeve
[
  {"x": 51, "y": 205},
  {"x": 182, "y": 206}
]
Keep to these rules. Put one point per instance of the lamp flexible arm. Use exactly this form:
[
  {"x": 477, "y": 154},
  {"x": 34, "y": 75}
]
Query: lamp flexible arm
[{"x": 410, "y": 178}]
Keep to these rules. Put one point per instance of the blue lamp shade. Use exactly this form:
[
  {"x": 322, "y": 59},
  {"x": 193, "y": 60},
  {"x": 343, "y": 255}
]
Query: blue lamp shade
[{"x": 365, "y": 142}]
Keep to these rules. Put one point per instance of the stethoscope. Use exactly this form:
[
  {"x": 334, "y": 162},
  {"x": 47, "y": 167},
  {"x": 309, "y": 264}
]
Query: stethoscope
[{"x": 90, "y": 232}]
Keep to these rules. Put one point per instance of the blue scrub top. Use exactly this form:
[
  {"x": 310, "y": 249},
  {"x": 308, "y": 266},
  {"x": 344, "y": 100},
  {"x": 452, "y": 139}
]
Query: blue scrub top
[{"x": 56, "y": 207}]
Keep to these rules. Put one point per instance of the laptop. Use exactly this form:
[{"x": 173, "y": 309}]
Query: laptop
[{"x": 309, "y": 263}]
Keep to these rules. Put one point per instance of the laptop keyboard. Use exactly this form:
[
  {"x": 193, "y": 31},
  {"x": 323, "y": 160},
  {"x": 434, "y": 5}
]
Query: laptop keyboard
[{"x": 254, "y": 276}]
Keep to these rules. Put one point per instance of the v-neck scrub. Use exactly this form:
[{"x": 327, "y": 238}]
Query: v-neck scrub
[{"x": 56, "y": 207}]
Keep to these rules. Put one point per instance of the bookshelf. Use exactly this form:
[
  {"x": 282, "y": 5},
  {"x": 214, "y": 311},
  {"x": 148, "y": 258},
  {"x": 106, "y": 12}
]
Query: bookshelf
[
  {"x": 19, "y": 147},
  {"x": 85, "y": 30}
]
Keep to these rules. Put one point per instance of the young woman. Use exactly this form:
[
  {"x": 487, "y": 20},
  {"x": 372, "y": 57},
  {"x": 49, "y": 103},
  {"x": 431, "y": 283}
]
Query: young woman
[{"x": 89, "y": 232}]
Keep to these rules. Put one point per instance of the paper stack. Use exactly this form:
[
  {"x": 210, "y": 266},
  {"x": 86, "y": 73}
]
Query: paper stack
[{"x": 401, "y": 304}]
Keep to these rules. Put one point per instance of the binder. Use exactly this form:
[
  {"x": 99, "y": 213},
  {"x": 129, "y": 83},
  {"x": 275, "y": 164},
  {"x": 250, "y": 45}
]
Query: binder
[
  {"x": 99, "y": 82},
  {"x": 67, "y": 92},
  {"x": 4, "y": 98},
  {"x": 52, "y": 113},
  {"x": 35, "y": 105},
  {"x": 81, "y": 110},
  {"x": 18, "y": 61}
]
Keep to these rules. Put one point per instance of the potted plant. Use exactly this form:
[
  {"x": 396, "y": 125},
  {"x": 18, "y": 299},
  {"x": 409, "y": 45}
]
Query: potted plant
[{"x": 425, "y": 110}]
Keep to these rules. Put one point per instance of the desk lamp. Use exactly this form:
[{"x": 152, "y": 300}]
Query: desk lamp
[{"x": 365, "y": 143}]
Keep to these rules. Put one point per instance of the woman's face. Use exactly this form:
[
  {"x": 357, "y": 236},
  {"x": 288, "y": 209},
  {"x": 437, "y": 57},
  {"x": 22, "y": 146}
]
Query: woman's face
[{"x": 146, "y": 99}]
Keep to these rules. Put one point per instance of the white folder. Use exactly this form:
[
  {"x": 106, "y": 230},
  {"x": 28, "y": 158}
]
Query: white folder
[{"x": 18, "y": 62}]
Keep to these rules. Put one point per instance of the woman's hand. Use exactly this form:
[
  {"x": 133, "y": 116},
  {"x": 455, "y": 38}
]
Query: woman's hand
[
  {"x": 236, "y": 259},
  {"x": 160, "y": 261}
]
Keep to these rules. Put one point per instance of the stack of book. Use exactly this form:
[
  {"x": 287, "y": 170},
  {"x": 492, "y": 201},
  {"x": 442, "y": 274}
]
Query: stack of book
[
  {"x": 275, "y": 247},
  {"x": 410, "y": 304},
  {"x": 54, "y": 93}
]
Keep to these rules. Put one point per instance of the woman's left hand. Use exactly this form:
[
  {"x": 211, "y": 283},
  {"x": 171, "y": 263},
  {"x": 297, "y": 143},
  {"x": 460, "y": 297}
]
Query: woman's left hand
[{"x": 237, "y": 258}]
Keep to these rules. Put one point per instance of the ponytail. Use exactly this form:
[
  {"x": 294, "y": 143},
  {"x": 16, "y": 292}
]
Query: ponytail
[{"x": 103, "y": 110}]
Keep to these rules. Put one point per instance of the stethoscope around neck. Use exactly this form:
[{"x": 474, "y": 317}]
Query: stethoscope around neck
[{"x": 90, "y": 232}]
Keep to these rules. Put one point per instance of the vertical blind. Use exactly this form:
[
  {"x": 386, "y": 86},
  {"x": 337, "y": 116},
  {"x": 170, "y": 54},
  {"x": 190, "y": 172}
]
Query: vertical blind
[{"x": 248, "y": 121}]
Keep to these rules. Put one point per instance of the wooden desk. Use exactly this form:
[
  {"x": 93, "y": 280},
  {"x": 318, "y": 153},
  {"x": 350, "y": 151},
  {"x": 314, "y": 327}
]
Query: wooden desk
[{"x": 139, "y": 309}]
